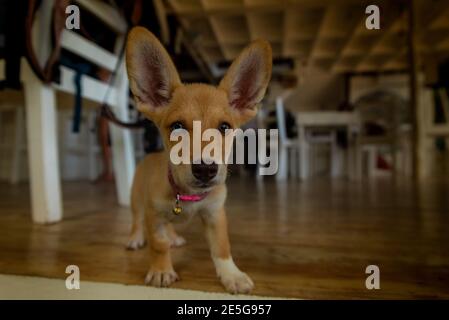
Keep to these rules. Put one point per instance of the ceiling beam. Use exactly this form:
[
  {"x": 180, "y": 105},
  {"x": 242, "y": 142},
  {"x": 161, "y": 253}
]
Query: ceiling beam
[
  {"x": 216, "y": 32},
  {"x": 430, "y": 11},
  {"x": 354, "y": 25},
  {"x": 391, "y": 17},
  {"x": 324, "y": 21},
  {"x": 256, "y": 7},
  {"x": 326, "y": 33},
  {"x": 193, "y": 50}
]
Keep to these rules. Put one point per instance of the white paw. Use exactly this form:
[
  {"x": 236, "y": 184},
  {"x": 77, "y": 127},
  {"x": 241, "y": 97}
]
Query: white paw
[
  {"x": 136, "y": 241},
  {"x": 178, "y": 241},
  {"x": 161, "y": 278},
  {"x": 237, "y": 282},
  {"x": 234, "y": 280}
]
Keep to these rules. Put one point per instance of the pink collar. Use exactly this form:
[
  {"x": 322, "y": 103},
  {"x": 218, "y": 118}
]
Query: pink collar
[{"x": 184, "y": 197}]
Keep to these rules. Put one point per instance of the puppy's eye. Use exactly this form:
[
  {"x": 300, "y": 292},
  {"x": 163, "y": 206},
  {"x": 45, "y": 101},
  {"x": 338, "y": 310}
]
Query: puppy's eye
[
  {"x": 223, "y": 127},
  {"x": 176, "y": 125}
]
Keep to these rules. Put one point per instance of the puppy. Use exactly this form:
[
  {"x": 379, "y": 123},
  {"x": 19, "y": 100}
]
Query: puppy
[{"x": 164, "y": 193}]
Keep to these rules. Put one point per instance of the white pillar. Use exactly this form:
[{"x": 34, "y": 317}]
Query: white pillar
[{"x": 42, "y": 144}]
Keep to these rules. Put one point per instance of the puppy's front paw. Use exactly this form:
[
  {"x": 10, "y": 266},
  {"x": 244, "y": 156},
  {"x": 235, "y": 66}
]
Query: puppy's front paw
[
  {"x": 234, "y": 280},
  {"x": 161, "y": 278},
  {"x": 237, "y": 282},
  {"x": 136, "y": 241}
]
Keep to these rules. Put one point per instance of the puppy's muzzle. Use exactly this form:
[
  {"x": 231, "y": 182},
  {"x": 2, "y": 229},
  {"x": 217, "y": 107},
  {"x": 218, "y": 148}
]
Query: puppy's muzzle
[{"x": 204, "y": 172}]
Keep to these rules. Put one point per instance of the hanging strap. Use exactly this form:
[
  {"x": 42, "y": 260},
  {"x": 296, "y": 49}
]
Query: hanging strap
[
  {"x": 105, "y": 110},
  {"x": 45, "y": 74}
]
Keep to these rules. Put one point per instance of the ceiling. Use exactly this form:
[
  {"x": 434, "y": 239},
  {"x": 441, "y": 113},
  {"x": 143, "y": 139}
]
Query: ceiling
[{"x": 322, "y": 33}]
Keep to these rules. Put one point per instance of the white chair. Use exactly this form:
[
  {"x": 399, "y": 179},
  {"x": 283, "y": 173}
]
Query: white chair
[
  {"x": 389, "y": 112},
  {"x": 40, "y": 108},
  {"x": 316, "y": 138},
  {"x": 296, "y": 156},
  {"x": 313, "y": 134},
  {"x": 319, "y": 129},
  {"x": 289, "y": 149},
  {"x": 429, "y": 131}
]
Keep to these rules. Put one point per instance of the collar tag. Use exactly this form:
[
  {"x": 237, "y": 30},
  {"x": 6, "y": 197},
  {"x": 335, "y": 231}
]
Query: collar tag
[{"x": 177, "y": 209}]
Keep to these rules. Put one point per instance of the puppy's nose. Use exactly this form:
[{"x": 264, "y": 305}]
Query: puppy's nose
[{"x": 204, "y": 172}]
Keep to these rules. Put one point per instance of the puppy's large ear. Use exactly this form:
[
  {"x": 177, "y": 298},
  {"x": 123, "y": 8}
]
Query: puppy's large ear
[
  {"x": 247, "y": 78},
  {"x": 152, "y": 74}
]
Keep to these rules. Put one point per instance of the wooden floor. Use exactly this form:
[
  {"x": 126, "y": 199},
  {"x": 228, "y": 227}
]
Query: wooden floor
[{"x": 302, "y": 240}]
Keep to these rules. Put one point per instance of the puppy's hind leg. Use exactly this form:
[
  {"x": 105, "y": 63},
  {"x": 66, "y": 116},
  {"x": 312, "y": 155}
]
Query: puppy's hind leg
[{"x": 137, "y": 237}]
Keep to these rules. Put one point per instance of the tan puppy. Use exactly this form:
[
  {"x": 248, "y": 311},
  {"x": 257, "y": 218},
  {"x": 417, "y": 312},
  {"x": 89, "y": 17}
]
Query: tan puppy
[{"x": 162, "y": 97}]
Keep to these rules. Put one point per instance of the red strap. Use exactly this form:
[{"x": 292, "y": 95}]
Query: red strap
[{"x": 45, "y": 73}]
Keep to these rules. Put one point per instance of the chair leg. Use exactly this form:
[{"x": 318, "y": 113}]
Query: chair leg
[
  {"x": 358, "y": 157},
  {"x": 297, "y": 168},
  {"x": 292, "y": 162},
  {"x": 283, "y": 163},
  {"x": 372, "y": 154},
  {"x": 311, "y": 160},
  {"x": 304, "y": 153},
  {"x": 334, "y": 159},
  {"x": 42, "y": 150},
  {"x": 352, "y": 163},
  {"x": 296, "y": 164},
  {"x": 92, "y": 146},
  {"x": 397, "y": 166}
]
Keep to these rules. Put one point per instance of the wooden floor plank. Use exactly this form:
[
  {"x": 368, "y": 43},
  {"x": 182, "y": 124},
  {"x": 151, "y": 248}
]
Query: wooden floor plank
[{"x": 302, "y": 240}]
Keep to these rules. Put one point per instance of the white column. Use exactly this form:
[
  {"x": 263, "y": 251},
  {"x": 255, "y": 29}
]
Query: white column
[{"x": 42, "y": 149}]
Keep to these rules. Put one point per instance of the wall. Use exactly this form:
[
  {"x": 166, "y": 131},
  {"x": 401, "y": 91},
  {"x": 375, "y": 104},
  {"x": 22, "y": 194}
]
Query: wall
[
  {"x": 74, "y": 163},
  {"x": 395, "y": 83},
  {"x": 317, "y": 90}
]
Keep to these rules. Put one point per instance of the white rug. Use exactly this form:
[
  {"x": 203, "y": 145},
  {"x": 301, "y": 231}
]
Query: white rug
[{"x": 25, "y": 287}]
